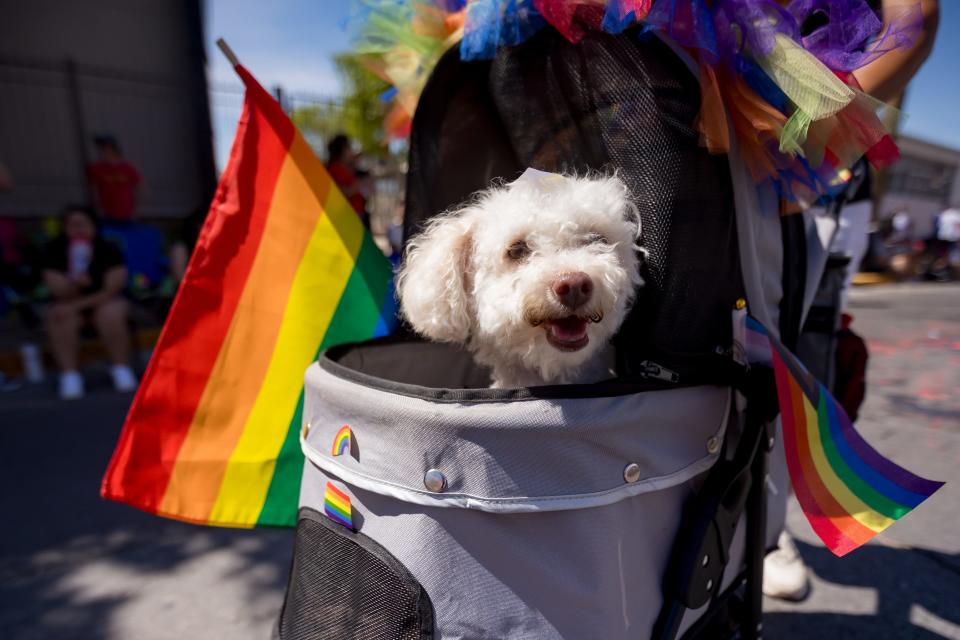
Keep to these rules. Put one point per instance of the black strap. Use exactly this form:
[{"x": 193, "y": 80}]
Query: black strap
[
  {"x": 794, "y": 278},
  {"x": 701, "y": 550}
]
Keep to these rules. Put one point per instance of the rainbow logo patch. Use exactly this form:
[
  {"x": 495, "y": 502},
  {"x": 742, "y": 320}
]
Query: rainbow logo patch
[
  {"x": 342, "y": 441},
  {"x": 336, "y": 504}
]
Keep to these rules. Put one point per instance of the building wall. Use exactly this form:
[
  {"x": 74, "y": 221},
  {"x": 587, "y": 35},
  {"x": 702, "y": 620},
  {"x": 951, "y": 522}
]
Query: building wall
[
  {"x": 923, "y": 183},
  {"x": 131, "y": 68}
]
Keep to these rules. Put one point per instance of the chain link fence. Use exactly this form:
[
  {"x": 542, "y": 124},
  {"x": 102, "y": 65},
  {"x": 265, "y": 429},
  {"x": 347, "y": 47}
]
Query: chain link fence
[{"x": 319, "y": 118}]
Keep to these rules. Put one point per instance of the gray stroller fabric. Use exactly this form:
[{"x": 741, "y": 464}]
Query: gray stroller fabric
[
  {"x": 514, "y": 456},
  {"x": 543, "y": 529}
]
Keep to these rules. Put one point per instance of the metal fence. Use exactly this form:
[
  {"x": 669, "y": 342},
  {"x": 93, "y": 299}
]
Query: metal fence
[{"x": 388, "y": 172}]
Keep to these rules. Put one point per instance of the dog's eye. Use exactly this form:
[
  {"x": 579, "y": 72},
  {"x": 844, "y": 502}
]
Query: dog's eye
[
  {"x": 518, "y": 250},
  {"x": 596, "y": 238}
]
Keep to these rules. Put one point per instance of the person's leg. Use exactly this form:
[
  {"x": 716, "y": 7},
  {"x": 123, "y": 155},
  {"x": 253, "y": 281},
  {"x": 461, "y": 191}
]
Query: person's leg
[
  {"x": 179, "y": 257},
  {"x": 851, "y": 240},
  {"x": 785, "y": 576},
  {"x": 63, "y": 327},
  {"x": 111, "y": 321}
]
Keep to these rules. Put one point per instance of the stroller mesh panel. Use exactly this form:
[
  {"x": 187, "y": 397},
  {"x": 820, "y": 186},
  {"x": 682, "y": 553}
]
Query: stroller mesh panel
[
  {"x": 344, "y": 586},
  {"x": 622, "y": 103}
]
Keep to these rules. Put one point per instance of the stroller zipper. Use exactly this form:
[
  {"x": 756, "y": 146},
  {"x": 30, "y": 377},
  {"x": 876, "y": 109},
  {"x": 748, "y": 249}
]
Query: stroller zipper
[{"x": 655, "y": 371}]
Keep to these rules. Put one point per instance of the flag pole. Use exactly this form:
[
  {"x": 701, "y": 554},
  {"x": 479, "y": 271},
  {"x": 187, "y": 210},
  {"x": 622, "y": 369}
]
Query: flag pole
[{"x": 228, "y": 52}]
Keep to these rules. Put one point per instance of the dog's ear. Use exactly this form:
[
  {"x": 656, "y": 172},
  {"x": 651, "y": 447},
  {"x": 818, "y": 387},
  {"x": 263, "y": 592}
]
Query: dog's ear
[{"x": 434, "y": 280}]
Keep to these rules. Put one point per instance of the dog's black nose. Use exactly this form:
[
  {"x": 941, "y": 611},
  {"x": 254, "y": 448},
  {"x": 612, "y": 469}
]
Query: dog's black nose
[{"x": 573, "y": 290}]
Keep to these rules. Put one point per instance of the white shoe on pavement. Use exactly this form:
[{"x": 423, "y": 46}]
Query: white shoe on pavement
[
  {"x": 71, "y": 385},
  {"x": 784, "y": 573},
  {"x": 123, "y": 378}
]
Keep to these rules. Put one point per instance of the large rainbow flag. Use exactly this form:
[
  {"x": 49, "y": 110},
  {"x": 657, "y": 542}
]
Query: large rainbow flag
[
  {"x": 283, "y": 268},
  {"x": 847, "y": 490}
]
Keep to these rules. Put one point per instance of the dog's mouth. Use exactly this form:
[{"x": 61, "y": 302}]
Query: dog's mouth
[{"x": 570, "y": 333}]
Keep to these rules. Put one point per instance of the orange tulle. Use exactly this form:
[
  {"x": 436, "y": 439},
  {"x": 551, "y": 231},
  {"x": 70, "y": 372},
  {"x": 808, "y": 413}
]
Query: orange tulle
[
  {"x": 436, "y": 23},
  {"x": 756, "y": 123},
  {"x": 397, "y": 123},
  {"x": 712, "y": 121}
]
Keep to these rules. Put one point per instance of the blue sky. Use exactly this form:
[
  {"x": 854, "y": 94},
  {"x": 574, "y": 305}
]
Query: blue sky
[{"x": 290, "y": 43}]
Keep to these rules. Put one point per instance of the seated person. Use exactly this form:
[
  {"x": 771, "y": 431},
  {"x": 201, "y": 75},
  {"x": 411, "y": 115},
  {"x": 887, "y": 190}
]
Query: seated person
[{"x": 86, "y": 277}]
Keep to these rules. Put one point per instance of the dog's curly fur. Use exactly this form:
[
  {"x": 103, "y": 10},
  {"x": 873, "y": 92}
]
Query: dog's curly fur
[{"x": 484, "y": 275}]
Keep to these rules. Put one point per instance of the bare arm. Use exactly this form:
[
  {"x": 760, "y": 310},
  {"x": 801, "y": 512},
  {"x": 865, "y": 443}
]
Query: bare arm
[
  {"x": 887, "y": 76},
  {"x": 60, "y": 285},
  {"x": 114, "y": 280}
]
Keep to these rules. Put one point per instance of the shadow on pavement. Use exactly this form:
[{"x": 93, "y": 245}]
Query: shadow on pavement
[
  {"x": 915, "y": 593},
  {"x": 75, "y": 566}
]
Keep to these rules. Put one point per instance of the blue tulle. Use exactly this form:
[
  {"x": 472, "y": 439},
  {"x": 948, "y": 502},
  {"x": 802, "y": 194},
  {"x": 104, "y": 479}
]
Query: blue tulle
[
  {"x": 801, "y": 177},
  {"x": 612, "y": 21},
  {"x": 389, "y": 94},
  {"x": 764, "y": 87},
  {"x": 688, "y": 23},
  {"x": 491, "y": 23}
]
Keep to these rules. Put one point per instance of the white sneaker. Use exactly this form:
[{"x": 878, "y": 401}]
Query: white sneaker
[
  {"x": 784, "y": 574},
  {"x": 71, "y": 385},
  {"x": 123, "y": 378}
]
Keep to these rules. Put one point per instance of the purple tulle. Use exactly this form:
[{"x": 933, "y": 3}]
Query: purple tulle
[
  {"x": 749, "y": 26},
  {"x": 850, "y": 35},
  {"x": 449, "y": 6}
]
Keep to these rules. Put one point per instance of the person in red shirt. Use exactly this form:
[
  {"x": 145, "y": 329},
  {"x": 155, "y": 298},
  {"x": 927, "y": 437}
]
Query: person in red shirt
[
  {"x": 341, "y": 163},
  {"x": 115, "y": 181}
]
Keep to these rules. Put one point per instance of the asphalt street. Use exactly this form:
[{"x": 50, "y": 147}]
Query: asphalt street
[
  {"x": 75, "y": 567},
  {"x": 905, "y": 583}
]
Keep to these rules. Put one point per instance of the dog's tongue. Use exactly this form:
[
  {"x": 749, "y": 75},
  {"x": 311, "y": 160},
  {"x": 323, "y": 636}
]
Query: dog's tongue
[{"x": 569, "y": 329}]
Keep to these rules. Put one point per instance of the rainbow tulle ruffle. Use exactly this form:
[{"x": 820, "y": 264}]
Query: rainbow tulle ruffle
[{"x": 782, "y": 72}]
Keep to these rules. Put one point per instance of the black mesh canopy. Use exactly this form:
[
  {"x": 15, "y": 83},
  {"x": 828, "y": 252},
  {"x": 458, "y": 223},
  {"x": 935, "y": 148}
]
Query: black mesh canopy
[{"x": 612, "y": 102}]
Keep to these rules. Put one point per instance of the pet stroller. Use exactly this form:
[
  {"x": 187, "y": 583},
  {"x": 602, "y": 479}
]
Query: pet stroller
[{"x": 435, "y": 507}]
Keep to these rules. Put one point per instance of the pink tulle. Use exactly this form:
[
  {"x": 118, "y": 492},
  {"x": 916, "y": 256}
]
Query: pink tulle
[{"x": 572, "y": 19}]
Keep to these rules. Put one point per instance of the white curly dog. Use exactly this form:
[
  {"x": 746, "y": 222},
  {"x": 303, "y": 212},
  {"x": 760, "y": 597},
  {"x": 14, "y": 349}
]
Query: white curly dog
[{"x": 534, "y": 277}]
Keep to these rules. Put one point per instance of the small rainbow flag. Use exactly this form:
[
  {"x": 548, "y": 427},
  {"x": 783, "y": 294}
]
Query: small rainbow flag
[
  {"x": 342, "y": 441},
  {"x": 283, "y": 269},
  {"x": 336, "y": 504},
  {"x": 847, "y": 490}
]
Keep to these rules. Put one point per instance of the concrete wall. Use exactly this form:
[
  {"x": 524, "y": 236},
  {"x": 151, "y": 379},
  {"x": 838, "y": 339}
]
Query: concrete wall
[
  {"x": 920, "y": 210},
  {"x": 919, "y": 206},
  {"x": 138, "y": 73}
]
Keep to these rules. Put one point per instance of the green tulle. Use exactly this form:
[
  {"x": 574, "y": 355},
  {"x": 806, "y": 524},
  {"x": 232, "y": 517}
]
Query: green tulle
[
  {"x": 794, "y": 133},
  {"x": 388, "y": 26},
  {"x": 815, "y": 91}
]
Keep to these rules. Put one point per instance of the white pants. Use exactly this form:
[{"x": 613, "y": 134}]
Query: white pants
[{"x": 851, "y": 240}]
